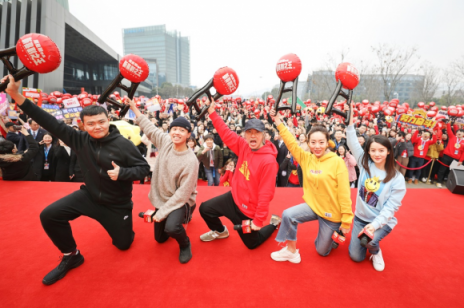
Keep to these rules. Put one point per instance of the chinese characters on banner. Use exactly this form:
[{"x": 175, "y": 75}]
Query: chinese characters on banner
[
  {"x": 61, "y": 114},
  {"x": 31, "y": 94}
]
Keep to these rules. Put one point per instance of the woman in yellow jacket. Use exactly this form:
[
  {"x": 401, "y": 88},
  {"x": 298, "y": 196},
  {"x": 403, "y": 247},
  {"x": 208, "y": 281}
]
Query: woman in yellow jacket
[{"x": 326, "y": 196}]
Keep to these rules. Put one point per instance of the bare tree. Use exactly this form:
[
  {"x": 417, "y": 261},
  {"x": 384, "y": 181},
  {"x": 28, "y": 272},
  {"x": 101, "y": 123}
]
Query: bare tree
[
  {"x": 393, "y": 64},
  {"x": 425, "y": 91},
  {"x": 459, "y": 67},
  {"x": 323, "y": 80},
  {"x": 451, "y": 83},
  {"x": 370, "y": 84}
]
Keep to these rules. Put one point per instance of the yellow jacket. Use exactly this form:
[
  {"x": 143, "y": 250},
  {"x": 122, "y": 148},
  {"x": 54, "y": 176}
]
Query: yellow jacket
[
  {"x": 434, "y": 150},
  {"x": 326, "y": 185}
]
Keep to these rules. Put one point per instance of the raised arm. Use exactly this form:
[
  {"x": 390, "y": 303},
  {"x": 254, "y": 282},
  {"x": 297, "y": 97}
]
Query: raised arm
[
  {"x": 33, "y": 146},
  {"x": 352, "y": 140},
  {"x": 231, "y": 139},
  {"x": 47, "y": 121},
  {"x": 156, "y": 135}
]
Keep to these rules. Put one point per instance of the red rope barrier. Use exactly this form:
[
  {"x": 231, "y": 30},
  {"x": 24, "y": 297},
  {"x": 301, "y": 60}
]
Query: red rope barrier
[
  {"x": 442, "y": 163},
  {"x": 413, "y": 168}
]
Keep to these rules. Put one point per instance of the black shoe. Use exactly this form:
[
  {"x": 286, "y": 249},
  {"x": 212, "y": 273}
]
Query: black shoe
[
  {"x": 67, "y": 263},
  {"x": 185, "y": 254}
]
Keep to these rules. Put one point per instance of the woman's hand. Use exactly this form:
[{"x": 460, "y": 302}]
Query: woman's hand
[
  {"x": 347, "y": 109},
  {"x": 344, "y": 230},
  {"x": 276, "y": 117},
  {"x": 370, "y": 228}
]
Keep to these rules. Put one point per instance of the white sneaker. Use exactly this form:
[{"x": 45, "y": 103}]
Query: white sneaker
[
  {"x": 424, "y": 180},
  {"x": 438, "y": 185},
  {"x": 285, "y": 255},
  {"x": 377, "y": 261}
]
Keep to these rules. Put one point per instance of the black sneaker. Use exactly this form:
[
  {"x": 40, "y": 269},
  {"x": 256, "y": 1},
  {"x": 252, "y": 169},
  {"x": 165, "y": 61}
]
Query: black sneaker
[
  {"x": 185, "y": 254},
  {"x": 67, "y": 263}
]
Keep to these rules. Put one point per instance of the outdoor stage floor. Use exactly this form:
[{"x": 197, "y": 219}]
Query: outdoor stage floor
[{"x": 423, "y": 256}]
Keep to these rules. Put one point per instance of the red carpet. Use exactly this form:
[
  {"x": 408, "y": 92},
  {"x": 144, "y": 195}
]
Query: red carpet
[{"x": 423, "y": 258}]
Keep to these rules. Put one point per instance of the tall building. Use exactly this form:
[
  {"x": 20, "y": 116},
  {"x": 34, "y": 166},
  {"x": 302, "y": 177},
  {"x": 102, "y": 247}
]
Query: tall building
[
  {"x": 87, "y": 61},
  {"x": 169, "y": 48}
]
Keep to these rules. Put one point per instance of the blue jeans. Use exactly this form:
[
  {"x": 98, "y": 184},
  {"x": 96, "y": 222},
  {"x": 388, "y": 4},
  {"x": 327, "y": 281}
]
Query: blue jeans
[
  {"x": 212, "y": 176},
  {"x": 301, "y": 213},
  {"x": 358, "y": 252},
  {"x": 292, "y": 185}
]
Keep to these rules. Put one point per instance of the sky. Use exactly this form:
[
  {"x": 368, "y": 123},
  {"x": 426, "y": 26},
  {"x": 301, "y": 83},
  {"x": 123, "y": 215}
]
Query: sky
[{"x": 250, "y": 36}]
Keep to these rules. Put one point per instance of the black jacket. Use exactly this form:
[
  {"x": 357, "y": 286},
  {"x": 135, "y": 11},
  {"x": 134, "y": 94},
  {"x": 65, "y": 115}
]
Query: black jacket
[
  {"x": 282, "y": 152},
  {"x": 286, "y": 168},
  {"x": 40, "y": 134},
  {"x": 95, "y": 157},
  {"x": 18, "y": 167},
  {"x": 75, "y": 169},
  {"x": 19, "y": 140},
  {"x": 39, "y": 161},
  {"x": 62, "y": 162}
]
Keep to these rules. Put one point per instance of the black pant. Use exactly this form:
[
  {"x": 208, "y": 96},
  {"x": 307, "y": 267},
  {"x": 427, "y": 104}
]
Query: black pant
[
  {"x": 116, "y": 221},
  {"x": 224, "y": 205},
  {"x": 415, "y": 162},
  {"x": 442, "y": 171},
  {"x": 172, "y": 227}
]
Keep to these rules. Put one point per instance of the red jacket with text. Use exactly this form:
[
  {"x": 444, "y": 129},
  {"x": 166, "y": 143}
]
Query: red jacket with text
[
  {"x": 421, "y": 146},
  {"x": 255, "y": 173}
]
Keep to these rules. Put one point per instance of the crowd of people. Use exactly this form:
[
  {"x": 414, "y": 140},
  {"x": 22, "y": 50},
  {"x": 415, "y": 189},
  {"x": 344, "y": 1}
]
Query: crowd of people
[
  {"x": 217, "y": 161},
  {"x": 249, "y": 147}
]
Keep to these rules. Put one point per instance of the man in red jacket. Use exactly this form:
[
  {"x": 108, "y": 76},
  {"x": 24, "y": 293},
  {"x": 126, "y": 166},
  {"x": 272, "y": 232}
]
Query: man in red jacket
[
  {"x": 253, "y": 189},
  {"x": 421, "y": 146},
  {"x": 453, "y": 151}
]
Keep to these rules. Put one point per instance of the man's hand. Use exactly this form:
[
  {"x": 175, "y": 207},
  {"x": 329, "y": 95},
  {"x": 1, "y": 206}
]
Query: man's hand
[
  {"x": 24, "y": 131},
  {"x": 206, "y": 149},
  {"x": 212, "y": 107},
  {"x": 459, "y": 163},
  {"x": 61, "y": 143},
  {"x": 13, "y": 89},
  {"x": 254, "y": 227},
  {"x": 133, "y": 107},
  {"x": 114, "y": 173}
]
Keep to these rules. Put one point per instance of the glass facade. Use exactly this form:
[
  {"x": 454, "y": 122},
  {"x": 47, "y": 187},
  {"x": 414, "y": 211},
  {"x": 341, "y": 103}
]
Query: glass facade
[
  {"x": 171, "y": 51},
  {"x": 93, "y": 77}
]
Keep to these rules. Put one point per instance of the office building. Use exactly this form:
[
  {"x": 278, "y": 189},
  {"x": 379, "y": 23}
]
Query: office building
[{"x": 168, "y": 49}]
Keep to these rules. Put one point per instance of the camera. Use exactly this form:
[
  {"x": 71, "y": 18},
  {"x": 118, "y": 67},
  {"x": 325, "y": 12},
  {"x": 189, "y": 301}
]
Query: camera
[{"x": 17, "y": 127}]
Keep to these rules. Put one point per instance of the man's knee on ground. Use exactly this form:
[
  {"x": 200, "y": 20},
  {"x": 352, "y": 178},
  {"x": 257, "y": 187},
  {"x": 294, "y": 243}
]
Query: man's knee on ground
[
  {"x": 323, "y": 252},
  {"x": 251, "y": 245},
  {"x": 123, "y": 244}
]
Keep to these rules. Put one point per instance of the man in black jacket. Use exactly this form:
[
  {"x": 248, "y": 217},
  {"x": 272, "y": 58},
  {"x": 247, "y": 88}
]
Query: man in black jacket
[
  {"x": 109, "y": 162},
  {"x": 282, "y": 152}
]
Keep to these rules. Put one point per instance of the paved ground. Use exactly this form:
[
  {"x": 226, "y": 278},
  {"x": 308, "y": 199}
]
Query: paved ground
[{"x": 422, "y": 185}]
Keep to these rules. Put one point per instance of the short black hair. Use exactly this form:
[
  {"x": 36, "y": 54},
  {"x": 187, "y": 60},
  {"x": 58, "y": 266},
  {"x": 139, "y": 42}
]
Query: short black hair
[
  {"x": 92, "y": 111},
  {"x": 30, "y": 120},
  {"x": 6, "y": 146},
  {"x": 209, "y": 136}
]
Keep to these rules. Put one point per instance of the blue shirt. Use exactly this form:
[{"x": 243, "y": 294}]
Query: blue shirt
[{"x": 376, "y": 202}]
